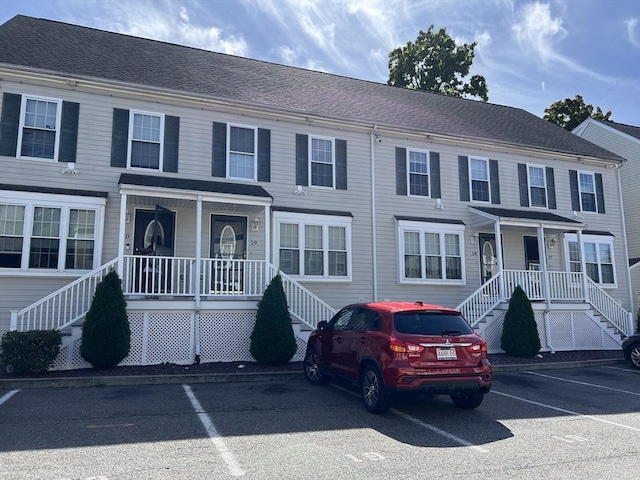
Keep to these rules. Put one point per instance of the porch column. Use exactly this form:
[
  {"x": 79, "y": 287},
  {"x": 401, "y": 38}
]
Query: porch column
[
  {"x": 583, "y": 267},
  {"x": 198, "y": 285},
  {"x": 121, "y": 235},
  {"x": 496, "y": 228},
  {"x": 267, "y": 245},
  {"x": 542, "y": 249}
]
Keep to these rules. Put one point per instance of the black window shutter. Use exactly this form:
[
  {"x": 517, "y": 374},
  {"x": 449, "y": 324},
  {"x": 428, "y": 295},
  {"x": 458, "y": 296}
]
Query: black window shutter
[
  {"x": 434, "y": 171},
  {"x": 575, "y": 194},
  {"x": 599, "y": 193},
  {"x": 551, "y": 188},
  {"x": 463, "y": 173},
  {"x": 401, "y": 171},
  {"x": 119, "y": 137},
  {"x": 219, "y": 150},
  {"x": 495, "y": 182},
  {"x": 302, "y": 160},
  {"x": 68, "y": 132},
  {"x": 171, "y": 141},
  {"x": 341, "y": 164},
  {"x": 9, "y": 123},
  {"x": 264, "y": 155},
  {"x": 523, "y": 185}
]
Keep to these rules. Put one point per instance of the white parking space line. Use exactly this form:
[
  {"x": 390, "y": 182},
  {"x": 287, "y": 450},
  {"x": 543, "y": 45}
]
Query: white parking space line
[
  {"x": 623, "y": 369},
  {"x": 7, "y": 396},
  {"x": 583, "y": 383},
  {"x": 216, "y": 438},
  {"x": 439, "y": 431},
  {"x": 570, "y": 412}
]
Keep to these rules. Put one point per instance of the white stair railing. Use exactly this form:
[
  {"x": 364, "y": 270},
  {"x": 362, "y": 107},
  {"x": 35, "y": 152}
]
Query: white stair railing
[
  {"x": 64, "y": 306},
  {"x": 610, "y": 310},
  {"x": 480, "y": 303},
  {"x": 305, "y": 306}
]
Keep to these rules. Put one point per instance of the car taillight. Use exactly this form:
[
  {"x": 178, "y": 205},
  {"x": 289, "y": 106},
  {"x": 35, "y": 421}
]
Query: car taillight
[
  {"x": 478, "y": 348},
  {"x": 398, "y": 346}
]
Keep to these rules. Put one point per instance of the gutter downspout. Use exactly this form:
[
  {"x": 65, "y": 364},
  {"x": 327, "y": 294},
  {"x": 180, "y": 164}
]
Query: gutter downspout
[
  {"x": 626, "y": 252},
  {"x": 374, "y": 245},
  {"x": 196, "y": 319}
]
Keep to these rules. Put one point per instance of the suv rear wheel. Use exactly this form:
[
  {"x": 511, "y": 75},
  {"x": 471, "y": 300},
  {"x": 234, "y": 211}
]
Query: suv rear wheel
[
  {"x": 311, "y": 367},
  {"x": 634, "y": 355},
  {"x": 467, "y": 401},
  {"x": 374, "y": 395}
]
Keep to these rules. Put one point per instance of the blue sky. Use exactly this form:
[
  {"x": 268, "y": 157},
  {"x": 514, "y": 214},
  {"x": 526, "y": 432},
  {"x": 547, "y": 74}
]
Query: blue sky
[{"x": 532, "y": 53}]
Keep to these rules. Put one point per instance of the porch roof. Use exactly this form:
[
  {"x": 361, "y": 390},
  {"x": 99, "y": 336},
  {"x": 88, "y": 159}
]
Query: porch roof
[
  {"x": 525, "y": 218},
  {"x": 164, "y": 186}
]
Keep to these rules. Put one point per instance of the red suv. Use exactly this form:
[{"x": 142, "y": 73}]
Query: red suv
[{"x": 392, "y": 347}]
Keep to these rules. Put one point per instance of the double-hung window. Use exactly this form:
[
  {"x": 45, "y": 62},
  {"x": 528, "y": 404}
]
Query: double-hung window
[
  {"x": 431, "y": 252},
  {"x": 49, "y": 232},
  {"x": 587, "y": 189},
  {"x": 313, "y": 246},
  {"x": 39, "y": 131},
  {"x": 243, "y": 145},
  {"x": 537, "y": 185},
  {"x": 479, "y": 179},
  {"x": 322, "y": 161},
  {"x": 598, "y": 257},
  {"x": 146, "y": 135},
  {"x": 418, "y": 171}
]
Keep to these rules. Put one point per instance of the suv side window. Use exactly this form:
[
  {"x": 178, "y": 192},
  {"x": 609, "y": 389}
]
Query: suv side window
[
  {"x": 365, "y": 320},
  {"x": 341, "y": 320}
]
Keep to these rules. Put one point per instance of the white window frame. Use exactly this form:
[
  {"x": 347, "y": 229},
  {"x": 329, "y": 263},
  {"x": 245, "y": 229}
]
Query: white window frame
[
  {"x": 132, "y": 114},
  {"x": 471, "y": 179},
  {"x": 595, "y": 192},
  {"x": 409, "y": 172},
  {"x": 255, "y": 151},
  {"x": 442, "y": 229},
  {"x": 66, "y": 203},
  {"x": 333, "y": 161},
  {"x": 23, "y": 110},
  {"x": 325, "y": 221},
  {"x": 530, "y": 186},
  {"x": 597, "y": 240}
]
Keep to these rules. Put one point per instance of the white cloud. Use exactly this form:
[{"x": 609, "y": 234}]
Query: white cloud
[
  {"x": 539, "y": 30},
  {"x": 633, "y": 32}
]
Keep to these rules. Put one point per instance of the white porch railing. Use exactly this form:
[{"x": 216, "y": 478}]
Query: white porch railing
[
  {"x": 480, "y": 303},
  {"x": 303, "y": 304},
  {"x": 232, "y": 277},
  {"x": 62, "y": 307},
  {"x": 529, "y": 280},
  {"x": 611, "y": 310},
  {"x": 157, "y": 276},
  {"x": 566, "y": 286}
]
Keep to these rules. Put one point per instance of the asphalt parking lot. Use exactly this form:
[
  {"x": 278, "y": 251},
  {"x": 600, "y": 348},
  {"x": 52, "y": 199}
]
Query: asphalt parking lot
[{"x": 569, "y": 424}]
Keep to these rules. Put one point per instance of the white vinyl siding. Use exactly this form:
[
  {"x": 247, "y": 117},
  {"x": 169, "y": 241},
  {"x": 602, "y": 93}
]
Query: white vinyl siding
[
  {"x": 242, "y": 145},
  {"x": 146, "y": 138},
  {"x": 39, "y": 131},
  {"x": 313, "y": 246},
  {"x": 431, "y": 252}
]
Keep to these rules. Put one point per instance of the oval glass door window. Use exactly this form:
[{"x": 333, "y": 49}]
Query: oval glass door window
[
  {"x": 154, "y": 234},
  {"x": 488, "y": 258},
  {"x": 227, "y": 242}
]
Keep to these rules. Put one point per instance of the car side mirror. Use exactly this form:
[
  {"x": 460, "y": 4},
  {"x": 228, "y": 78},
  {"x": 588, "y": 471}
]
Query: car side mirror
[{"x": 323, "y": 325}]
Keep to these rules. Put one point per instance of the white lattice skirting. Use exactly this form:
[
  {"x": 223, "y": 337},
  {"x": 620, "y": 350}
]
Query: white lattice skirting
[
  {"x": 169, "y": 337},
  {"x": 569, "y": 330}
]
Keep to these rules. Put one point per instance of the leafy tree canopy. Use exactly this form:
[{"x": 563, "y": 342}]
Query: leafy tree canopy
[
  {"x": 436, "y": 64},
  {"x": 571, "y": 112}
]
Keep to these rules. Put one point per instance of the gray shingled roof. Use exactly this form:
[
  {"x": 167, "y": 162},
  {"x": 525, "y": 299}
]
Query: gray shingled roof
[
  {"x": 82, "y": 52},
  {"x": 628, "y": 129}
]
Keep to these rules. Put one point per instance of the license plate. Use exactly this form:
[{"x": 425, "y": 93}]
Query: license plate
[{"x": 446, "y": 353}]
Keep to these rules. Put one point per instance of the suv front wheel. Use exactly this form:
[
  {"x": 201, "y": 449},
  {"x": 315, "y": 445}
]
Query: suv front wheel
[
  {"x": 374, "y": 394},
  {"x": 311, "y": 366},
  {"x": 467, "y": 401}
]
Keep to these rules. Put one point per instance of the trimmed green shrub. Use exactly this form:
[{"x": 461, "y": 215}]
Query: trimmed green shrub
[
  {"x": 106, "y": 336},
  {"x": 29, "y": 352},
  {"x": 520, "y": 333},
  {"x": 272, "y": 340}
]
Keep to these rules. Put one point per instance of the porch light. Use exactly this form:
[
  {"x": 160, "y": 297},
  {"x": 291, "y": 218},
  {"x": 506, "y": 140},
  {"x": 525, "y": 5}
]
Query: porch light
[
  {"x": 474, "y": 238},
  {"x": 552, "y": 241},
  {"x": 255, "y": 224}
]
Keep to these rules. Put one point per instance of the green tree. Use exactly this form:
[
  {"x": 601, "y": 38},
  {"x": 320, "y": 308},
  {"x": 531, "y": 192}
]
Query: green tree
[
  {"x": 106, "y": 336},
  {"x": 520, "y": 332},
  {"x": 571, "y": 112},
  {"x": 435, "y": 63},
  {"x": 272, "y": 340}
]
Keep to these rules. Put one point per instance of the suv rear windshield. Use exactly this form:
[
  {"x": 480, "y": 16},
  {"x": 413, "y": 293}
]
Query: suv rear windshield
[{"x": 431, "y": 323}]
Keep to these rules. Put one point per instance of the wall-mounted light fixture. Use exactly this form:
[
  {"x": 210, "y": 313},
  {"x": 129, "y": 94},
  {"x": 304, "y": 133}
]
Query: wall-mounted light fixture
[
  {"x": 70, "y": 169},
  {"x": 255, "y": 224},
  {"x": 474, "y": 238},
  {"x": 439, "y": 205},
  {"x": 553, "y": 239},
  {"x": 299, "y": 190}
]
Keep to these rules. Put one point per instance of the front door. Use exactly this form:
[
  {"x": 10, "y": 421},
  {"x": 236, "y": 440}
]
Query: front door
[
  {"x": 531, "y": 253},
  {"x": 228, "y": 242},
  {"x": 153, "y": 236},
  {"x": 488, "y": 256}
]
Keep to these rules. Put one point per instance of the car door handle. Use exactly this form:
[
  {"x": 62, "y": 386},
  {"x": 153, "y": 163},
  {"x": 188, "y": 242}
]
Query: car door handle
[
  {"x": 363, "y": 339},
  {"x": 339, "y": 340}
]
